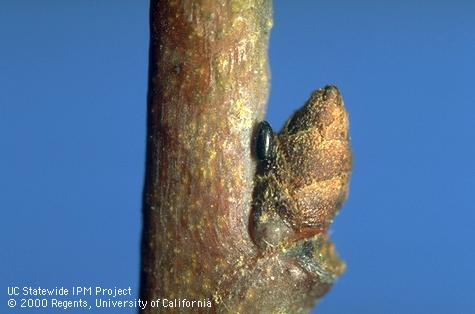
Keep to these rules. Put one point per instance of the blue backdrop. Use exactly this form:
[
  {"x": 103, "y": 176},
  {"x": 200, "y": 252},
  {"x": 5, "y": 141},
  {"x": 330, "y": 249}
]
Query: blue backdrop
[{"x": 72, "y": 131}]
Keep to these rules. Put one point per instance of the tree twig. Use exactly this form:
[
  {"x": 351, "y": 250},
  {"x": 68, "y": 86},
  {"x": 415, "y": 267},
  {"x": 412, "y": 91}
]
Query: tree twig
[{"x": 208, "y": 86}]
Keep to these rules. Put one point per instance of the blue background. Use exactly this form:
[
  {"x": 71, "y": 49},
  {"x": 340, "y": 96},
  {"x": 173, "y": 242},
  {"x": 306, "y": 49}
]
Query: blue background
[{"x": 73, "y": 81}]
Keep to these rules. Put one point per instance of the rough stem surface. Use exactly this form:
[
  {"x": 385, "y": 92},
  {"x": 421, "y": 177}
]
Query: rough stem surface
[{"x": 208, "y": 86}]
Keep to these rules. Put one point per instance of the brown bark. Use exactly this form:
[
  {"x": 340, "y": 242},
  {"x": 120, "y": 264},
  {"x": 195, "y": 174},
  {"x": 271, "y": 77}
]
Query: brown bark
[{"x": 208, "y": 86}]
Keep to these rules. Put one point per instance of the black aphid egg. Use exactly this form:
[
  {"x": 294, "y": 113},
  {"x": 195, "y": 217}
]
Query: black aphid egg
[{"x": 264, "y": 142}]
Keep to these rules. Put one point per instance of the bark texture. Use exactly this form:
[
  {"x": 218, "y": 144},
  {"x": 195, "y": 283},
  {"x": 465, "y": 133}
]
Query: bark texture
[{"x": 208, "y": 86}]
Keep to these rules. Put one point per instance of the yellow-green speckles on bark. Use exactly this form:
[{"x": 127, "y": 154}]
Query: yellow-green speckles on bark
[{"x": 240, "y": 116}]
